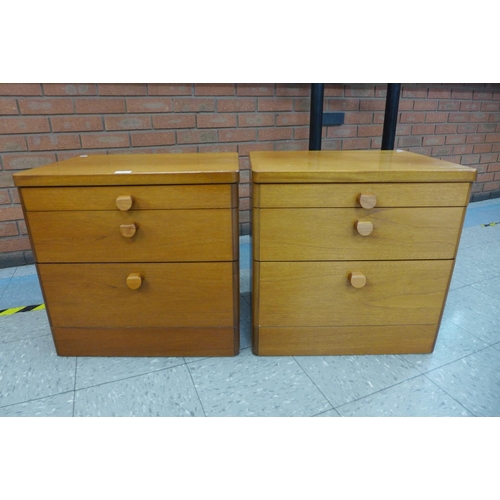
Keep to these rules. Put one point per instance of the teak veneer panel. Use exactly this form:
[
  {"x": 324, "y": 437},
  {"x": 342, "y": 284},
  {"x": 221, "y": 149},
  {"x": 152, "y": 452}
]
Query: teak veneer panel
[
  {"x": 171, "y": 295},
  {"x": 176, "y": 197},
  {"x": 291, "y": 234},
  {"x": 440, "y": 194},
  {"x": 146, "y": 341},
  {"x": 353, "y": 166},
  {"x": 319, "y": 293},
  {"x": 346, "y": 340},
  {"x": 132, "y": 169},
  {"x": 161, "y": 235}
]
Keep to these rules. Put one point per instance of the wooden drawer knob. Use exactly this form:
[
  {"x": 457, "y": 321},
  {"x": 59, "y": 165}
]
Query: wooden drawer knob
[
  {"x": 125, "y": 202},
  {"x": 357, "y": 279},
  {"x": 134, "y": 281},
  {"x": 364, "y": 227},
  {"x": 128, "y": 230},
  {"x": 367, "y": 200}
]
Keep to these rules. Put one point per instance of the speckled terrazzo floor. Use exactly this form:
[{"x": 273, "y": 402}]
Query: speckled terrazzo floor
[{"x": 461, "y": 377}]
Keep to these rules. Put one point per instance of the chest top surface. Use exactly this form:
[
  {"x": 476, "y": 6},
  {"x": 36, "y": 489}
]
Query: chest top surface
[
  {"x": 354, "y": 166},
  {"x": 135, "y": 169}
]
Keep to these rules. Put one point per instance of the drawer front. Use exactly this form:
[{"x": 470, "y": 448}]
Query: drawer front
[
  {"x": 170, "y": 295},
  {"x": 144, "y": 197},
  {"x": 346, "y": 195},
  {"x": 160, "y": 236},
  {"x": 331, "y": 233},
  {"x": 320, "y": 293}
]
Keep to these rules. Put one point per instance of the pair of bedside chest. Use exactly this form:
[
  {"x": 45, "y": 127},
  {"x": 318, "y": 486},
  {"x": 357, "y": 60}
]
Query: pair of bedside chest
[{"x": 353, "y": 251}]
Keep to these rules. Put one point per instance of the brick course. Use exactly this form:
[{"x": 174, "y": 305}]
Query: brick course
[
  {"x": 43, "y": 123},
  {"x": 76, "y": 123}
]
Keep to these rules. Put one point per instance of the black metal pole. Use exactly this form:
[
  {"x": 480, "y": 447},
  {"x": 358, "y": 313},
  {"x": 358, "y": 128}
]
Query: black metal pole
[
  {"x": 316, "y": 121},
  {"x": 391, "y": 115}
]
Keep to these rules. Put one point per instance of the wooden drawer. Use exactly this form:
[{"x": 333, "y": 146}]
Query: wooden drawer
[
  {"x": 320, "y": 294},
  {"x": 444, "y": 194},
  {"x": 144, "y": 197},
  {"x": 160, "y": 235},
  {"x": 290, "y": 234},
  {"x": 171, "y": 295}
]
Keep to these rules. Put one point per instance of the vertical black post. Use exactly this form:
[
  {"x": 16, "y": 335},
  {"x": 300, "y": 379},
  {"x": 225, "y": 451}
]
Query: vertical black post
[
  {"x": 391, "y": 115},
  {"x": 316, "y": 121}
]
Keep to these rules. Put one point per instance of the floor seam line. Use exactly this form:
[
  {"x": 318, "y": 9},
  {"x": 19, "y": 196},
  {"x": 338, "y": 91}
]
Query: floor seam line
[
  {"x": 28, "y": 338},
  {"x": 380, "y": 390},
  {"x": 36, "y": 399},
  {"x": 196, "y": 391},
  {"x": 446, "y": 392},
  {"x": 315, "y": 385},
  {"x": 74, "y": 385},
  {"x": 128, "y": 378}
]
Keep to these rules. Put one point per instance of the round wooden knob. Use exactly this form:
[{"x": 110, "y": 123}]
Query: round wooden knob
[
  {"x": 134, "y": 281},
  {"x": 357, "y": 279},
  {"x": 125, "y": 202},
  {"x": 364, "y": 227},
  {"x": 128, "y": 230},
  {"x": 367, "y": 200}
]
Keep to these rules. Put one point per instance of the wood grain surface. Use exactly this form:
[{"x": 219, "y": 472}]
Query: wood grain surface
[
  {"x": 146, "y": 341},
  {"x": 145, "y": 197},
  {"x": 135, "y": 169},
  {"x": 441, "y": 194},
  {"x": 345, "y": 340},
  {"x": 353, "y": 166},
  {"x": 330, "y": 233},
  {"x": 161, "y": 236},
  {"x": 319, "y": 293},
  {"x": 171, "y": 295}
]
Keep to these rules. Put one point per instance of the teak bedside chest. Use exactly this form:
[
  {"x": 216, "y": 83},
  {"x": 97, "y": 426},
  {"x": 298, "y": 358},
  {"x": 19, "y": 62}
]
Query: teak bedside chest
[
  {"x": 353, "y": 250},
  {"x": 137, "y": 254}
]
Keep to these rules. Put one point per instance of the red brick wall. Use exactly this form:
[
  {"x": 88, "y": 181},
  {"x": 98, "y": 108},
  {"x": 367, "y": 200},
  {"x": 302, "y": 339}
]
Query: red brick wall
[{"x": 43, "y": 123}]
